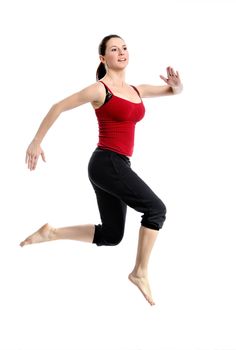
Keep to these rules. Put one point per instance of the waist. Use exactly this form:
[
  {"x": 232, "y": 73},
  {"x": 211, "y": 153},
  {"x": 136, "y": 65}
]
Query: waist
[
  {"x": 119, "y": 140},
  {"x": 108, "y": 150}
]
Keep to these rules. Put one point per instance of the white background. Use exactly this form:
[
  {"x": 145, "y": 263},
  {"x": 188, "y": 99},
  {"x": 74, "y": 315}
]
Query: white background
[{"x": 67, "y": 295}]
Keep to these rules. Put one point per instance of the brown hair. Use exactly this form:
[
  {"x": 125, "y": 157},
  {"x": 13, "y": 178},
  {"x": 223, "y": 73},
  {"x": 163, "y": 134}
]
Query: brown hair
[{"x": 101, "y": 70}]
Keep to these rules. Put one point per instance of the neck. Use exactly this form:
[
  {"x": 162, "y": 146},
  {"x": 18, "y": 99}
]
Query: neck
[{"x": 117, "y": 79}]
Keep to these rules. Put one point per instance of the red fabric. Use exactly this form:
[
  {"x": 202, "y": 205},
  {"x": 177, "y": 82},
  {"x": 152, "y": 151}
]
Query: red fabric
[{"x": 116, "y": 121}]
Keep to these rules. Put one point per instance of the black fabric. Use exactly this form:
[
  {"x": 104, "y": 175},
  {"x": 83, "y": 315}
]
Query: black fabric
[
  {"x": 108, "y": 95},
  {"x": 116, "y": 185},
  {"x": 136, "y": 90}
]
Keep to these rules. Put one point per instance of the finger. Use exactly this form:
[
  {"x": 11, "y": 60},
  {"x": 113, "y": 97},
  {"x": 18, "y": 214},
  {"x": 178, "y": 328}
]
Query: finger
[
  {"x": 34, "y": 163},
  {"x": 26, "y": 157},
  {"x": 163, "y": 78},
  {"x": 29, "y": 156},
  {"x": 43, "y": 156},
  {"x": 31, "y": 162},
  {"x": 168, "y": 70},
  {"x": 172, "y": 73},
  {"x": 33, "y": 166}
]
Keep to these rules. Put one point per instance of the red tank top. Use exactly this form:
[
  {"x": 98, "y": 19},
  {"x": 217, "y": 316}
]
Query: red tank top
[{"x": 116, "y": 120}]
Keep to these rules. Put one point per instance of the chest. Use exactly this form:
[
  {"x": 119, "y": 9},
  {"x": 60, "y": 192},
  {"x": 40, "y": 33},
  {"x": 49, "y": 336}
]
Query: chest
[{"x": 121, "y": 110}]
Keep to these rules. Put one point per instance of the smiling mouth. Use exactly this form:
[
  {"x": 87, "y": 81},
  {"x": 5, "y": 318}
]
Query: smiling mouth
[{"x": 122, "y": 60}]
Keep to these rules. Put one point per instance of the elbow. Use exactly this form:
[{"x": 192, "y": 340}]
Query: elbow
[{"x": 57, "y": 108}]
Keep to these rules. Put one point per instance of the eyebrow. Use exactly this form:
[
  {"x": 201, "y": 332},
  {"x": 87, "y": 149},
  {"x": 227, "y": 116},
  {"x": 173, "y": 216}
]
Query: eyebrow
[{"x": 117, "y": 46}]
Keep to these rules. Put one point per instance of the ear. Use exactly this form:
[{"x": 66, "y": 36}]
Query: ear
[{"x": 102, "y": 59}]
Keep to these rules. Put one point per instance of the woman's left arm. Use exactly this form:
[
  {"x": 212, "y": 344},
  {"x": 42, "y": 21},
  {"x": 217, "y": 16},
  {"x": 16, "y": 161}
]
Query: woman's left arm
[{"x": 174, "y": 85}]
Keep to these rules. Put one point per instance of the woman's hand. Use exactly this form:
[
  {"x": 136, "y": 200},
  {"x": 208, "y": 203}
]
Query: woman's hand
[
  {"x": 34, "y": 151},
  {"x": 173, "y": 79}
]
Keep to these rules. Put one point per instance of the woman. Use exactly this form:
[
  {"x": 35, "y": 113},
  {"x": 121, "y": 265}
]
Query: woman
[{"x": 118, "y": 107}]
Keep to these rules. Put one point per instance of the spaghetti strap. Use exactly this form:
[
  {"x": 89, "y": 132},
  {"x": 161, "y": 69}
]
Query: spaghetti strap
[
  {"x": 136, "y": 90},
  {"x": 109, "y": 94},
  {"x": 107, "y": 88}
]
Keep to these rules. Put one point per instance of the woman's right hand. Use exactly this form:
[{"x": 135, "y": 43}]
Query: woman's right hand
[{"x": 34, "y": 151}]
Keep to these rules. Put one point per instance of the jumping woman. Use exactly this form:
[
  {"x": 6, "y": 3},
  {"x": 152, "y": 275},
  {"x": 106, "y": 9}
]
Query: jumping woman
[{"x": 118, "y": 107}]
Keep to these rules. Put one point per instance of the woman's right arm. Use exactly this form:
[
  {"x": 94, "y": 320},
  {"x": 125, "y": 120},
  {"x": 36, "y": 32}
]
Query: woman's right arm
[{"x": 92, "y": 93}]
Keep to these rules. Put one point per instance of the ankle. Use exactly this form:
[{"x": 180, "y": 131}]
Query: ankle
[
  {"x": 53, "y": 233},
  {"x": 139, "y": 272}
]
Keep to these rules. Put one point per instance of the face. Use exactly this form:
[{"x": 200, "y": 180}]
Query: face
[{"x": 116, "y": 56}]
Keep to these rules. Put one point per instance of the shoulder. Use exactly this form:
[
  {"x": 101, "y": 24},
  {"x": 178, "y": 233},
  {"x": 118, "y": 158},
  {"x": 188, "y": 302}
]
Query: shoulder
[
  {"x": 98, "y": 92},
  {"x": 94, "y": 89},
  {"x": 92, "y": 93}
]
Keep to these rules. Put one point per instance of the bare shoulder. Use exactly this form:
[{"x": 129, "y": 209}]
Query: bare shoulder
[
  {"x": 93, "y": 93},
  {"x": 99, "y": 94}
]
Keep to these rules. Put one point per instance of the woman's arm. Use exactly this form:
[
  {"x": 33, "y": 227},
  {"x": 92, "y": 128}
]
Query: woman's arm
[
  {"x": 174, "y": 86},
  {"x": 91, "y": 94}
]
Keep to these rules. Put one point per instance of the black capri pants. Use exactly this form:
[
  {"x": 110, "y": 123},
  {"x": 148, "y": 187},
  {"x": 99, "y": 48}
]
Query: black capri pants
[{"x": 116, "y": 185}]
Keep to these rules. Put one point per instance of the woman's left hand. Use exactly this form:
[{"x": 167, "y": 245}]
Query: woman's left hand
[{"x": 172, "y": 79}]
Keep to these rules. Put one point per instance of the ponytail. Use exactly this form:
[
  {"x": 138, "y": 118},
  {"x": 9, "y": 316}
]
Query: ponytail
[{"x": 101, "y": 71}]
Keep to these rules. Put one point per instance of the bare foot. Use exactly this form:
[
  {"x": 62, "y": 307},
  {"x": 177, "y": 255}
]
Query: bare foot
[
  {"x": 143, "y": 285},
  {"x": 44, "y": 234}
]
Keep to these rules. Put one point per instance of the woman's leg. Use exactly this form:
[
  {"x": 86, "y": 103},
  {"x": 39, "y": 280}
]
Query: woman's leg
[
  {"x": 113, "y": 214},
  {"x": 116, "y": 176},
  {"x": 84, "y": 233},
  {"x": 139, "y": 275}
]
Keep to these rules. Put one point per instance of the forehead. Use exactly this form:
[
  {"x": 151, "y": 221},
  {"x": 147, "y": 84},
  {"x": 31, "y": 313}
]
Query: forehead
[{"x": 115, "y": 42}]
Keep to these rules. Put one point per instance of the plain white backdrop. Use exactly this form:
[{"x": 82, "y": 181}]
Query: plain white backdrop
[{"x": 74, "y": 296}]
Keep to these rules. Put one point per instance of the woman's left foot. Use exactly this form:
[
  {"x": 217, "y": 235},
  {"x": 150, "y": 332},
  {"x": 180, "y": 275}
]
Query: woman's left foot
[
  {"x": 143, "y": 285},
  {"x": 44, "y": 234}
]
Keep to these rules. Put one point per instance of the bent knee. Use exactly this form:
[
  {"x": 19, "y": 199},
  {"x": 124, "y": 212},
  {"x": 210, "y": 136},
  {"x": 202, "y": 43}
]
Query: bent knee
[
  {"x": 155, "y": 217},
  {"x": 162, "y": 208},
  {"x": 115, "y": 240},
  {"x": 107, "y": 236}
]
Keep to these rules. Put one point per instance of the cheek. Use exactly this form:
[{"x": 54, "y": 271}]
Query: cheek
[{"x": 111, "y": 58}]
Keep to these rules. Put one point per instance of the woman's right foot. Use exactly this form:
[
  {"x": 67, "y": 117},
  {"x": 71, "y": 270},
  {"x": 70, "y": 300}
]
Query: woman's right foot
[
  {"x": 143, "y": 285},
  {"x": 44, "y": 234}
]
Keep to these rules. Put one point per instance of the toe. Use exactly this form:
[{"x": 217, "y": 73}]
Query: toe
[
  {"x": 151, "y": 301},
  {"x": 26, "y": 241}
]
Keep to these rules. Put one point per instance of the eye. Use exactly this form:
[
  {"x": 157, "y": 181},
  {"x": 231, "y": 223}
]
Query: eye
[
  {"x": 114, "y": 49},
  {"x": 125, "y": 48}
]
